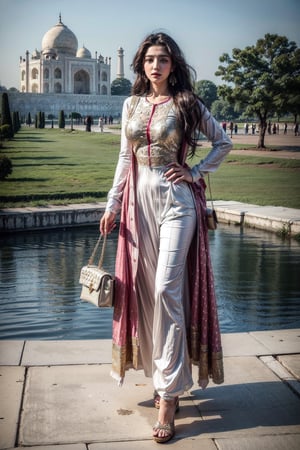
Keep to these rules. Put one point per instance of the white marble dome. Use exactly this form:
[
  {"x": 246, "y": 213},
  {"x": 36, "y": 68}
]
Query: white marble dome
[
  {"x": 83, "y": 52},
  {"x": 60, "y": 39}
]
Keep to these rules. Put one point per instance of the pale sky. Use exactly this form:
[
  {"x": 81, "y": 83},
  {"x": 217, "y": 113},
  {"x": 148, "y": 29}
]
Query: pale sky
[{"x": 204, "y": 29}]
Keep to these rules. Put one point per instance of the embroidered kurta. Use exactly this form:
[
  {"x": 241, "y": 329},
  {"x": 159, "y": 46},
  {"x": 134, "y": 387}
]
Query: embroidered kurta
[{"x": 151, "y": 138}]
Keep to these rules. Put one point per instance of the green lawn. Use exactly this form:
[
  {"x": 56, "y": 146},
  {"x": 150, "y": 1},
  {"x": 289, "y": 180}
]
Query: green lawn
[{"x": 59, "y": 166}]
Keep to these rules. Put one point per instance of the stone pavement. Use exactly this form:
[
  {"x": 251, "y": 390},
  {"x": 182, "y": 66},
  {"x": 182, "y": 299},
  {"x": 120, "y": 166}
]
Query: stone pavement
[{"x": 58, "y": 395}]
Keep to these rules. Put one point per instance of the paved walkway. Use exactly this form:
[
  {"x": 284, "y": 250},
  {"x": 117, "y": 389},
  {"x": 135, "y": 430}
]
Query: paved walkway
[
  {"x": 282, "y": 142},
  {"x": 58, "y": 395}
]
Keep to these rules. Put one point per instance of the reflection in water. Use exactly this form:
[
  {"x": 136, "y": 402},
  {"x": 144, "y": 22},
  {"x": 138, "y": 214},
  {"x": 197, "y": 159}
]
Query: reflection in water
[
  {"x": 256, "y": 277},
  {"x": 257, "y": 280}
]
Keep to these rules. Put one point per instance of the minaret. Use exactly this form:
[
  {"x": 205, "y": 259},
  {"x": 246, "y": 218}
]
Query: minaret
[
  {"x": 120, "y": 68},
  {"x": 27, "y": 72}
]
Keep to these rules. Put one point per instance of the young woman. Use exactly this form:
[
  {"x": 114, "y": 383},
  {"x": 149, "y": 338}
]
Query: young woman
[{"x": 165, "y": 315}]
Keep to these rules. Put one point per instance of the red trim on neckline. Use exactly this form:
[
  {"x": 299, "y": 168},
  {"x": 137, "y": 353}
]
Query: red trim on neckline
[
  {"x": 154, "y": 105},
  {"x": 160, "y": 103}
]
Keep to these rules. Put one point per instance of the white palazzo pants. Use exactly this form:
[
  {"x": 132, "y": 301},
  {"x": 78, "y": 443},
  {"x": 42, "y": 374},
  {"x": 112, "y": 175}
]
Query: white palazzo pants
[{"x": 167, "y": 221}]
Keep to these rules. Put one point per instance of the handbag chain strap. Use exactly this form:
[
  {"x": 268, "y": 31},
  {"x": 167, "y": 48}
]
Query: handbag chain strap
[
  {"x": 91, "y": 260},
  {"x": 211, "y": 198}
]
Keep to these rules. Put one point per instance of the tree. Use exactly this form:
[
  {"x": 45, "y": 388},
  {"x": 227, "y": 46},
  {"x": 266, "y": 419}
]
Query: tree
[
  {"x": 28, "y": 119},
  {"x": 43, "y": 119},
  {"x": 76, "y": 116},
  {"x": 5, "y": 167},
  {"x": 15, "y": 121},
  {"x": 6, "y": 116},
  {"x": 262, "y": 78},
  {"x": 121, "y": 86},
  {"x": 39, "y": 120},
  {"x": 207, "y": 91},
  {"x": 223, "y": 110},
  {"x": 61, "y": 119}
]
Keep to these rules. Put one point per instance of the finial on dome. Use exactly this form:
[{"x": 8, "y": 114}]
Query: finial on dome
[{"x": 59, "y": 18}]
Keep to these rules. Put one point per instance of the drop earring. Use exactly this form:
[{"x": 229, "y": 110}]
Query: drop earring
[{"x": 172, "y": 79}]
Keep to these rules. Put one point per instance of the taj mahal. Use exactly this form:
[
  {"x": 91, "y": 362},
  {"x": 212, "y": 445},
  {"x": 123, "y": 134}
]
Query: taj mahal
[{"x": 62, "y": 76}]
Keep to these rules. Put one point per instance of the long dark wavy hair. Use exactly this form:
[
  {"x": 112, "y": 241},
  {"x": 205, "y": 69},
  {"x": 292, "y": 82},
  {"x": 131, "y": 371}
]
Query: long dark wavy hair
[{"x": 185, "y": 99}]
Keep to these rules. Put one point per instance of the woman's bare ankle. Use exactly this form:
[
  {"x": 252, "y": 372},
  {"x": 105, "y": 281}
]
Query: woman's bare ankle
[{"x": 167, "y": 411}]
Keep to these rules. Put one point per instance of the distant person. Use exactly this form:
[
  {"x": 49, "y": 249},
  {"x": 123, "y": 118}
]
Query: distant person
[
  {"x": 235, "y": 128},
  {"x": 296, "y": 129},
  {"x": 269, "y": 127},
  {"x": 88, "y": 123},
  {"x": 274, "y": 128},
  {"x": 285, "y": 129},
  {"x": 101, "y": 124},
  {"x": 246, "y": 127},
  {"x": 231, "y": 128}
]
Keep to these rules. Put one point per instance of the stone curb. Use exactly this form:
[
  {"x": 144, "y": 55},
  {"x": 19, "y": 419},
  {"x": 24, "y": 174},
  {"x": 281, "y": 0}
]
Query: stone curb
[{"x": 270, "y": 218}]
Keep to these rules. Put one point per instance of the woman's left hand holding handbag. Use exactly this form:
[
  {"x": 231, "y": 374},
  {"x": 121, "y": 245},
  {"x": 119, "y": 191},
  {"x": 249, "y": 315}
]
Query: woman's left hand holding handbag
[{"x": 107, "y": 222}]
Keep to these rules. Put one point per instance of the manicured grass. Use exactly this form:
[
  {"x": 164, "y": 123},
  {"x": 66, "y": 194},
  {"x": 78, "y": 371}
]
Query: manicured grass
[
  {"x": 59, "y": 166},
  {"x": 257, "y": 180}
]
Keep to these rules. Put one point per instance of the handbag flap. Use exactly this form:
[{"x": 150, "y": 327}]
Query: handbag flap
[{"x": 91, "y": 277}]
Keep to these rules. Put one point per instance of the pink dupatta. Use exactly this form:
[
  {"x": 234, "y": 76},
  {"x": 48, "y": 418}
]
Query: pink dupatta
[{"x": 204, "y": 341}]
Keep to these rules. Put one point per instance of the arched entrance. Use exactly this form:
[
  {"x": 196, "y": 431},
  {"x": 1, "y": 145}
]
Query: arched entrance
[{"x": 81, "y": 82}]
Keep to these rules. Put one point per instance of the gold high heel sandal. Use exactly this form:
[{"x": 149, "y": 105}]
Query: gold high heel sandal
[{"x": 169, "y": 428}]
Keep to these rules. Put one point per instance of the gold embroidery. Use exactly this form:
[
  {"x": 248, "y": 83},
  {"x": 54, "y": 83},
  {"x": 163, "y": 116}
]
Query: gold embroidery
[
  {"x": 158, "y": 141},
  {"x": 126, "y": 357}
]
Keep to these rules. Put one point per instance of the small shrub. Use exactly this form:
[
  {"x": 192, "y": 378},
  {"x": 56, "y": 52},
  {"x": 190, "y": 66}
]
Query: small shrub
[
  {"x": 5, "y": 131},
  {"x": 61, "y": 119},
  {"x": 5, "y": 167}
]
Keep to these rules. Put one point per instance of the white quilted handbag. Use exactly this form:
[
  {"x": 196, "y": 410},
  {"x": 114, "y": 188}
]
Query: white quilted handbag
[{"x": 97, "y": 284}]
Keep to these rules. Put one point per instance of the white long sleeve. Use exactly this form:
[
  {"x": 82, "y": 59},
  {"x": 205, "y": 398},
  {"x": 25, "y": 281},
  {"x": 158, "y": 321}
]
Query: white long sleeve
[
  {"x": 114, "y": 199},
  {"x": 221, "y": 145}
]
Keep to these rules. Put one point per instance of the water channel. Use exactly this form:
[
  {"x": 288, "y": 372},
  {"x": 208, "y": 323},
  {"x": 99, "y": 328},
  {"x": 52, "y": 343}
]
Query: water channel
[{"x": 256, "y": 278}]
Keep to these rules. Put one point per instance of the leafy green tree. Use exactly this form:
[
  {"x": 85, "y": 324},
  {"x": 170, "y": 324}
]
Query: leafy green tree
[
  {"x": 207, "y": 90},
  {"x": 223, "y": 110},
  {"x": 6, "y": 116},
  {"x": 121, "y": 86},
  {"x": 262, "y": 79}
]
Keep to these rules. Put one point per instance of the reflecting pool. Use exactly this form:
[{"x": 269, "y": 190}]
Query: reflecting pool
[{"x": 256, "y": 278}]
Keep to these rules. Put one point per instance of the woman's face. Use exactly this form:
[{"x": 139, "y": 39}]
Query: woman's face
[{"x": 157, "y": 64}]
